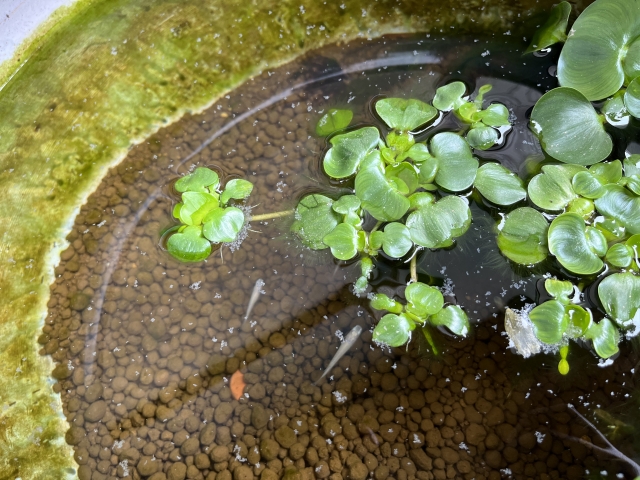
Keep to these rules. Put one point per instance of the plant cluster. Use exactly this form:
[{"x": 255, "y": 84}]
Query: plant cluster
[{"x": 404, "y": 196}]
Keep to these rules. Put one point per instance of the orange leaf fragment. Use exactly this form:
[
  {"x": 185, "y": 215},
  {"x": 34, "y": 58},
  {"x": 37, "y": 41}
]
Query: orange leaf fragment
[{"x": 237, "y": 384}]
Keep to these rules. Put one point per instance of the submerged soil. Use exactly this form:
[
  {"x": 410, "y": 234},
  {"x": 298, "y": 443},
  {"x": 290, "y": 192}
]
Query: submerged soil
[{"x": 146, "y": 346}]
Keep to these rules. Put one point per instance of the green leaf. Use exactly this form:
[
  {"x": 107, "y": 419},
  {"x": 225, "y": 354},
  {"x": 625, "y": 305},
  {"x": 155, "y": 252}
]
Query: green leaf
[
  {"x": 379, "y": 197},
  {"x": 582, "y": 206},
  {"x": 222, "y": 225},
  {"x": 396, "y": 241},
  {"x": 198, "y": 181},
  {"x": 495, "y": 115},
  {"x": 176, "y": 210},
  {"x": 195, "y": 206},
  {"x": 482, "y": 137},
  {"x": 418, "y": 153},
  {"x": 348, "y": 150},
  {"x": 601, "y": 51},
  {"x": 404, "y": 115},
  {"x": 607, "y": 172},
  {"x": 587, "y": 185},
  {"x": 610, "y": 228},
  {"x": 423, "y": 300},
  {"x": 454, "y": 318},
  {"x": 347, "y": 204},
  {"x": 552, "y": 189},
  {"x": 620, "y": 297},
  {"x": 622, "y": 205},
  {"x": 400, "y": 142},
  {"x": 393, "y": 330},
  {"x": 237, "y": 189},
  {"x": 549, "y": 321},
  {"x": 569, "y": 242},
  {"x": 632, "y": 165},
  {"x": 553, "y": 30},
  {"x": 632, "y": 97},
  {"x": 605, "y": 337},
  {"x": 449, "y": 97},
  {"x": 189, "y": 245},
  {"x": 569, "y": 129},
  {"x": 332, "y": 121},
  {"x": 421, "y": 199},
  {"x": 405, "y": 172},
  {"x": 523, "y": 236},
  {"x": 597, "y": 241},
  {"x": 437, "y": 224},
  {"x": 620, "y": 255},
  {"x": 579, "y": 320},
  {"x": 379, "y": 301},
  {"x": 499, "y": 184},
  {"x": 343, "y": 241},
  {"x": 314, "y": 219},
  {"x": 559, "y": 289},
  {"x": 615, "y": 111},
  {"x": 456, "y": 165},
  {"x": 428, "y": 171},
  {"x": 632, "y": 183}
]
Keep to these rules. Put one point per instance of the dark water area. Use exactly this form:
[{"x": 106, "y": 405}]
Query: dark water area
[{"x": 147, "y": 348}]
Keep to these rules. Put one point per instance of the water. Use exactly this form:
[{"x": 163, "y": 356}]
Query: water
[{"x": 146, "y": 346}]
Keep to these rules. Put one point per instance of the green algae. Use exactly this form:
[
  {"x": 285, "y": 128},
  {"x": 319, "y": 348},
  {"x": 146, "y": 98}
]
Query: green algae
[{"x": 102, "y": 78}]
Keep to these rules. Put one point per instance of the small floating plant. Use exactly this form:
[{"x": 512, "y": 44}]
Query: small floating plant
[{"x": 404, "y": 198}]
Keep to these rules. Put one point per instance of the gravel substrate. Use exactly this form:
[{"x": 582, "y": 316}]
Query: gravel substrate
[{"x": 145, "y": 346}]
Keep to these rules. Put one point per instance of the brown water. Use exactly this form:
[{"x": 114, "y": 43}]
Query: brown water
[{"x": 146, "y": 346}]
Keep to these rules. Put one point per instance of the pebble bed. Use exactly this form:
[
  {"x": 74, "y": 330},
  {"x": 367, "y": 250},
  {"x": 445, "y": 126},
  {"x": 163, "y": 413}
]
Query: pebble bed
[{"x": 145, "y": 346}]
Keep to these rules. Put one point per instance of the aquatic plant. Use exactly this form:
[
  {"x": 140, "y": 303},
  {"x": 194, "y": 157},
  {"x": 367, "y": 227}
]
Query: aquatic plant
[{"x": 205, "y": 214}]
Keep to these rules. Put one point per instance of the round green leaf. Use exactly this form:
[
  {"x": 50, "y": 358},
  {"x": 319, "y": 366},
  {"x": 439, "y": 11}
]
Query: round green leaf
[
  {"x": 632, "y": 98},
  {"x": 620, "y": 297},
  {"x": 632, "y": 183},
  {"x": 199, "y": 180},
  {"x": 600, "y": 50},
  {"x": 587, "y": 185},
  {"x": 523, "y": 236},
  {"x": 620, "y": 255},
  {"x": 596, "y": 240},
  {"x": 196, "y": 206},
  {"x": 610, "y": 228},
  {"x": 421, "y": 199},
  {"x": 222, "y": 225},
  {"x": 456, "y": 165},
  {"x": 495, "y": 115},
  {"x": 396, "y": 241},
  {"x": 428, "y": 171},
  {"x": 499, "y": 184},
  {"x": 189, "y": 245},
  {"x": 348, "y": 150},
  {"x": 452, "y": 317},
  {"x": 607, "y": 172},
  {"x": 582, "y": 206},
  {"x": 553, "y": 30},
  {"x": 393, "y": 330},
  {"x": 482, "y": 137},
  {"x": 549, "y": 321},
  {"x": 423, "y": 300},
  {"x": 380, "y": 301},
  {"x": 622, "y": 205},
  {"x": 405, "y": 172},
  {"x": 380, "y": 197},
  {"x": 332, "y": 121},
  {"x": 237, "y": 189},
  {"x": 343, "y": 241},
  {"x": 569, "y": 129},
  {"x": 615, "y": 111},
  {"x": 559, "y": 289},
  {"x": 449, "y": 97},
  {"x": 552, "y": 189},
  {"x": 314, "y": 219},
  {"x": 605, "y": 337},
  {"x": 437, "y": 224},
  {"x": 569, "y": 243},
  {"x": 347, "y": 204},
  {"x": 579, "y": 320},
  {"x": 418, "y": 153},
  {"x": 404, "y": 115}
]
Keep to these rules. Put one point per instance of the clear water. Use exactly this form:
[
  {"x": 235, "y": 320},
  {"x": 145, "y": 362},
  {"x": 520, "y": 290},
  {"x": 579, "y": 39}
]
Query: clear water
[{"x": 147, "y": 347}]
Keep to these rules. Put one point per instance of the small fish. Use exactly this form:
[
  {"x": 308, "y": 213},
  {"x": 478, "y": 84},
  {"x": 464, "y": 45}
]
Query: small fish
[
  {"x": 257, "y": 290},
  {"x": 348, "y": 342}
]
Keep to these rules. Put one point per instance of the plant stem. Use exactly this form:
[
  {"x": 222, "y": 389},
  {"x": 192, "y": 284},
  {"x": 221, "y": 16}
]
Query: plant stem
[
  {"x": 413, "y": 268},
  {"x": 269, "y": 216},
  {"x": 427, "y": 335}
]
